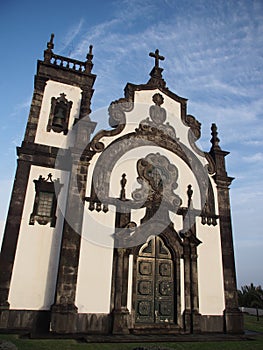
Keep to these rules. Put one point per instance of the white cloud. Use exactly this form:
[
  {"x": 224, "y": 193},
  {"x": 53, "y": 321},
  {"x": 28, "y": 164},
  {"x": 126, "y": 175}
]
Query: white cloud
[
  {"x": 257, "y": 157},
  {"x": 254, "y": 142},
  {"x": 5, "y": 193},
  {"x": 70, "y": 36},
  {"x": 18, "y": 108}
]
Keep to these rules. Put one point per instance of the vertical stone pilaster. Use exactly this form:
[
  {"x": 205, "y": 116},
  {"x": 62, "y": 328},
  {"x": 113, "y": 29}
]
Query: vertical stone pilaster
[
  {"x": 191, "y": 314},
  {"x": 120, "y": 312},
  {"x": 12, "y": 228},
  {"x": 64, "y": 310},
  {"x": 87, "y": 93},
  {"x": 233, "y": 317},
  {"x": 187, "y": 321},
  {"x": 31, "y": 128},
  {"x": 125, "y": 279},
  {"x": 194, "y": 290}
]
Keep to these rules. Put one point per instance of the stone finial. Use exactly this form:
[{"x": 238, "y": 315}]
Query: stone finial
[
  {"x": 123, "y": 184},
  {"x": 189, "y": 195},
  {"x": 49, "y": 177},
  {"x": 88, "y": 63},
  {"x": 214, "y": 140},
  {"x": 89, "y": 54},
  {"x": 50, "y": 46}
]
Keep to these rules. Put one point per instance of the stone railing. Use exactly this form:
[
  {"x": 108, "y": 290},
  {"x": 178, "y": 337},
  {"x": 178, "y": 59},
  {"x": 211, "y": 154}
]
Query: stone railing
[{"x": 66, "y": 62}]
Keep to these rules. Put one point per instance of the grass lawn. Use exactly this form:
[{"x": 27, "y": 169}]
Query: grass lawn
[{"x": 251, "y": 324}]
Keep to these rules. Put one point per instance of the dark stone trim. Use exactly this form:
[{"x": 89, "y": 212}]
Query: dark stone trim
[
  {"x": 87, "y": 94},
  {"x": 91, "y": 323},
  {"x": 34, "y": 321},
  {"x": 233, "y": 317},
  {"x": 117, "y": 120},
  {"x": 120, "y": 313},
  {"x": 211, "y": 168},
  {"x": 12, "y": 228},
  {"x": 37, "y": 322},
  {"x": 64, "y": 311},
  {"x": 191, "y": 314},
  {"x": 212, "y": 323},
  {"x": 64, "y": 75},
  {"x": 129, "y": 91},
  {"x": 46, "y": 156},
  {"x": 49, "y": 186},
  {"x": 208, "y": 213},
  {"x": 40, "y": 84},
  {"x": 33, "y": 149}
]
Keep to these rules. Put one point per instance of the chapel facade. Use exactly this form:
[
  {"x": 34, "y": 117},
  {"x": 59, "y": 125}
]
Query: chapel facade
[{"x": 122, "y": 231}]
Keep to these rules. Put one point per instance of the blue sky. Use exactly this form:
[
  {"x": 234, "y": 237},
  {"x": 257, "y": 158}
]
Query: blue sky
[{"x": 214, "y": 57}]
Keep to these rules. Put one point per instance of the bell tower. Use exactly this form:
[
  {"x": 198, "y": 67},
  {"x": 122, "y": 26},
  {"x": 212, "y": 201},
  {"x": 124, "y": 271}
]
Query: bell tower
[{"x": 63, "y": 88}]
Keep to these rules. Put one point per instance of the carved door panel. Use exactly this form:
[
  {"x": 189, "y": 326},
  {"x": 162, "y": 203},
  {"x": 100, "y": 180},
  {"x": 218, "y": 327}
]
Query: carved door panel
[
  {"x": 164, "y": 296},
  {"x": 145, "y": 290},
  {"x": 154, "y": 284}
]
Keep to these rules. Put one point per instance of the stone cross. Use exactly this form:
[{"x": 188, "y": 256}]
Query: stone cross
[{"x": 157, "y": 57}]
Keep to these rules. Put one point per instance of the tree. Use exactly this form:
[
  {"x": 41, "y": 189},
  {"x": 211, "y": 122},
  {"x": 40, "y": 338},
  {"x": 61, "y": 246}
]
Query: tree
[{"x": 251, "y": 296}]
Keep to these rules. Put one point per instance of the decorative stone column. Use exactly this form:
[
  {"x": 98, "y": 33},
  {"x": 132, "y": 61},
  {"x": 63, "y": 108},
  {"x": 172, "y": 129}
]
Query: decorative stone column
[
  {"x": 191, "y": 316},
  {"x": 194, "y": 287},
  {"x": 120, "y": 313},
  {"x": 232, "y": 315},
  {"x": 64, "y": 310},
  {"x": 187, "y": 317}
]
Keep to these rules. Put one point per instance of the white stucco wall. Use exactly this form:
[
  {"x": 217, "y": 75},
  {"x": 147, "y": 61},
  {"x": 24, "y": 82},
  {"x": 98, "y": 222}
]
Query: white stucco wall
[
  {"x": 51, "y": 138},
  {"x": 210, "y": 271},
  {"x": 94, "y": 278},
  {"x": 35, "y": 267}
]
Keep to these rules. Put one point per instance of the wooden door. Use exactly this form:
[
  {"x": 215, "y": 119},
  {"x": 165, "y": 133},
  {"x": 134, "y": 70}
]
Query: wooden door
[{"x": 154, "y": 284}]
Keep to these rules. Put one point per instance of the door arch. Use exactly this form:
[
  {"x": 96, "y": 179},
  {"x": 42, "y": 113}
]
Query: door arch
[{"x": 155, "y": 284}]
